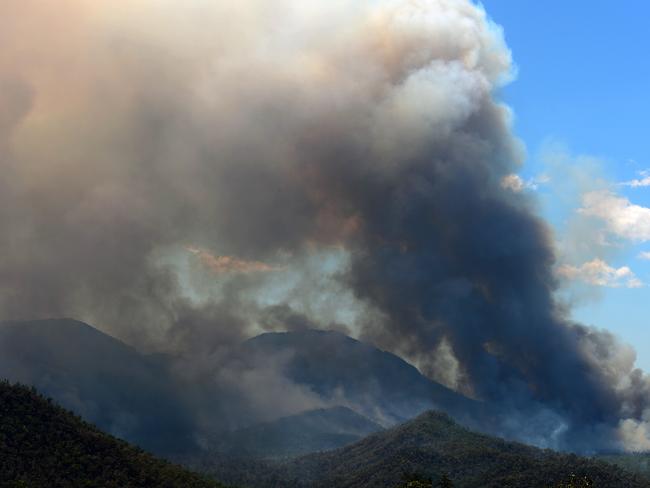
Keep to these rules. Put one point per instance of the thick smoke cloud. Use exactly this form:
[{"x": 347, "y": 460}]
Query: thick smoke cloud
[{"x": 261, "y": 136}]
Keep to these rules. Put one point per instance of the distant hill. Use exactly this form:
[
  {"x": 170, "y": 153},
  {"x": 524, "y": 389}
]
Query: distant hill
[
  {"x": 431, "y": 446},
  {"x": 100, "y": 378},
  {"x": 44, "y": 446},
  {"x": 311, "y": 431},
  {"x": 378, "y": 384}
]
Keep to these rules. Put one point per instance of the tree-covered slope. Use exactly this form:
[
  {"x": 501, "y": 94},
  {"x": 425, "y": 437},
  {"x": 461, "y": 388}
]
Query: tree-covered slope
[
  {"x": 43, "y": 445},
  {"x": 637, "y": 462},
  {"x": 431, "y": 446}
]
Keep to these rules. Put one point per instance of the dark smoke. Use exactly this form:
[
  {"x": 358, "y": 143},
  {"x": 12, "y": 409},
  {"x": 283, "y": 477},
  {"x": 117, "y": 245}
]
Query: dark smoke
[{"x": 185, "y": 176}]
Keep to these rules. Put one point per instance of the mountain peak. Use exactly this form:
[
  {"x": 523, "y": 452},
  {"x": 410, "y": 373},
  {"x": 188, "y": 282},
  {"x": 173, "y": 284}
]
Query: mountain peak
[{"x": 379, "y": 384}]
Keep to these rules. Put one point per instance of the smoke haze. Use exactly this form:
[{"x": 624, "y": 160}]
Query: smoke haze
[{"x": 185, "y": 175}]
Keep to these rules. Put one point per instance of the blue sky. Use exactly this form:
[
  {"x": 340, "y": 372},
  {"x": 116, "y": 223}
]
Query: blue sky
[{"x": 581, "y": 105}]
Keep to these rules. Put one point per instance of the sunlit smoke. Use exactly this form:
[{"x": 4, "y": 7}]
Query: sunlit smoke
[{"x": 268, "y": 133}]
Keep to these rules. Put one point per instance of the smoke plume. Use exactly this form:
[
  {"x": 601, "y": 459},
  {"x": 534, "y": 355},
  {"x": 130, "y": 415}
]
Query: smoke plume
[{"x": 340, "y": 162}]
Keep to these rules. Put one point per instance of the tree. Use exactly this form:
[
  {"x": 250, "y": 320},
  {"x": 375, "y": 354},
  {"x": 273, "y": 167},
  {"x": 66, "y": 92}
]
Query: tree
[
  {"x": 445, "y": 482},
  {"x": 415, "y": 481},
  {"x": 576, "y": 482}
]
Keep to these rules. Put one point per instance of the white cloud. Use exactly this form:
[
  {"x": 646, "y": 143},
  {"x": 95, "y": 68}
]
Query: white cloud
[
  {"x": 643, "y": 180},
  {"x": 513, "y": 182},
  {"x": 599, "y": 273},
  {"x": 622, "y": 217},
  {"x": 516, "y": 184},
  {"x": 644, "y": 255}
]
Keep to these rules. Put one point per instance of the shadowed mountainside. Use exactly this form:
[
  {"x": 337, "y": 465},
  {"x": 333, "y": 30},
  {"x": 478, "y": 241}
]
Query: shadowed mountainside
[
  {"x": 431, "y": 446},
  {"x": 42, "y": 446},
  {"x": 137, "y": 398},
  {"x": 96, "y": 375},
  {"x": 378, "y": 384},
  {"x": 307, "y": 432},
  {"x": 100, "y": 378}
]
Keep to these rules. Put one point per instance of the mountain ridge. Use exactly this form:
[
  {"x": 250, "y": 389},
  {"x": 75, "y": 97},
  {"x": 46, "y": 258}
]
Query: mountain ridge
[
  {"x": 430, "y": 446},
  {"x": 113, "y": 385},
  {"x": 379, "y": 384}
]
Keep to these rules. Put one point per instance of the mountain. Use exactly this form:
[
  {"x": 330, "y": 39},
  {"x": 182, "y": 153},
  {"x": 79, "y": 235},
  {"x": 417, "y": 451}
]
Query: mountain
[
  {"x": 44, "y": 446},
  {"x": 108, "y": 383},
  {"x": 432, "y": 445},
  {"x": 378, "y": 384},
  {"x": 137, "y": 398},
  {"x": 311, "y": 431}
]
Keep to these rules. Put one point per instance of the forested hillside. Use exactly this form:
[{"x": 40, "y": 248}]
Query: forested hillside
[
  {"x": 44, "y": 446},
  {"x": 432, "y": 447}
]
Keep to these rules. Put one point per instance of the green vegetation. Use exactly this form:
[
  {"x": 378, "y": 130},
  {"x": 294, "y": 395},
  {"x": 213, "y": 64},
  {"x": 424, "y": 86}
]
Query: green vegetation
[
  {"x": 636, "y": 462},
  {"x": 416, "y": 481},
  {"x": 43, "y": 445},
  {"x": 576, "y": 482},
  {"x": 445, "y": 482},
  {"x": 438, "y": 449}
]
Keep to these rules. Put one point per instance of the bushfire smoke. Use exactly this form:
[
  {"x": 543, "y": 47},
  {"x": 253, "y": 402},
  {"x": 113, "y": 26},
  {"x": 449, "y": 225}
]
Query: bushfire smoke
[{"x": 164, "y": 162}]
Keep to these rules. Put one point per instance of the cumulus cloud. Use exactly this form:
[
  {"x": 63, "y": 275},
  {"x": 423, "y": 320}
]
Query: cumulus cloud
[
  {"x": 513, "y": 182},
  {"x": 644, "y": 255},
  {"x": 622, "y": 218},
  {"x": 642, "y": 181},
  {"x": 517, "y": 184},
  {"x": 599, "y": 273}
]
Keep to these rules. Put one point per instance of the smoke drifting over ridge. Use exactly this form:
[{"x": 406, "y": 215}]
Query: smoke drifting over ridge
[{"x": 272, "y": 136}]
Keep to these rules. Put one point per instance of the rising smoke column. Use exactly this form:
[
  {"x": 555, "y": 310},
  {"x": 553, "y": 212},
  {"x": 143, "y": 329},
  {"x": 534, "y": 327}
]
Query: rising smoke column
[{"x": 266, "y": 133}]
